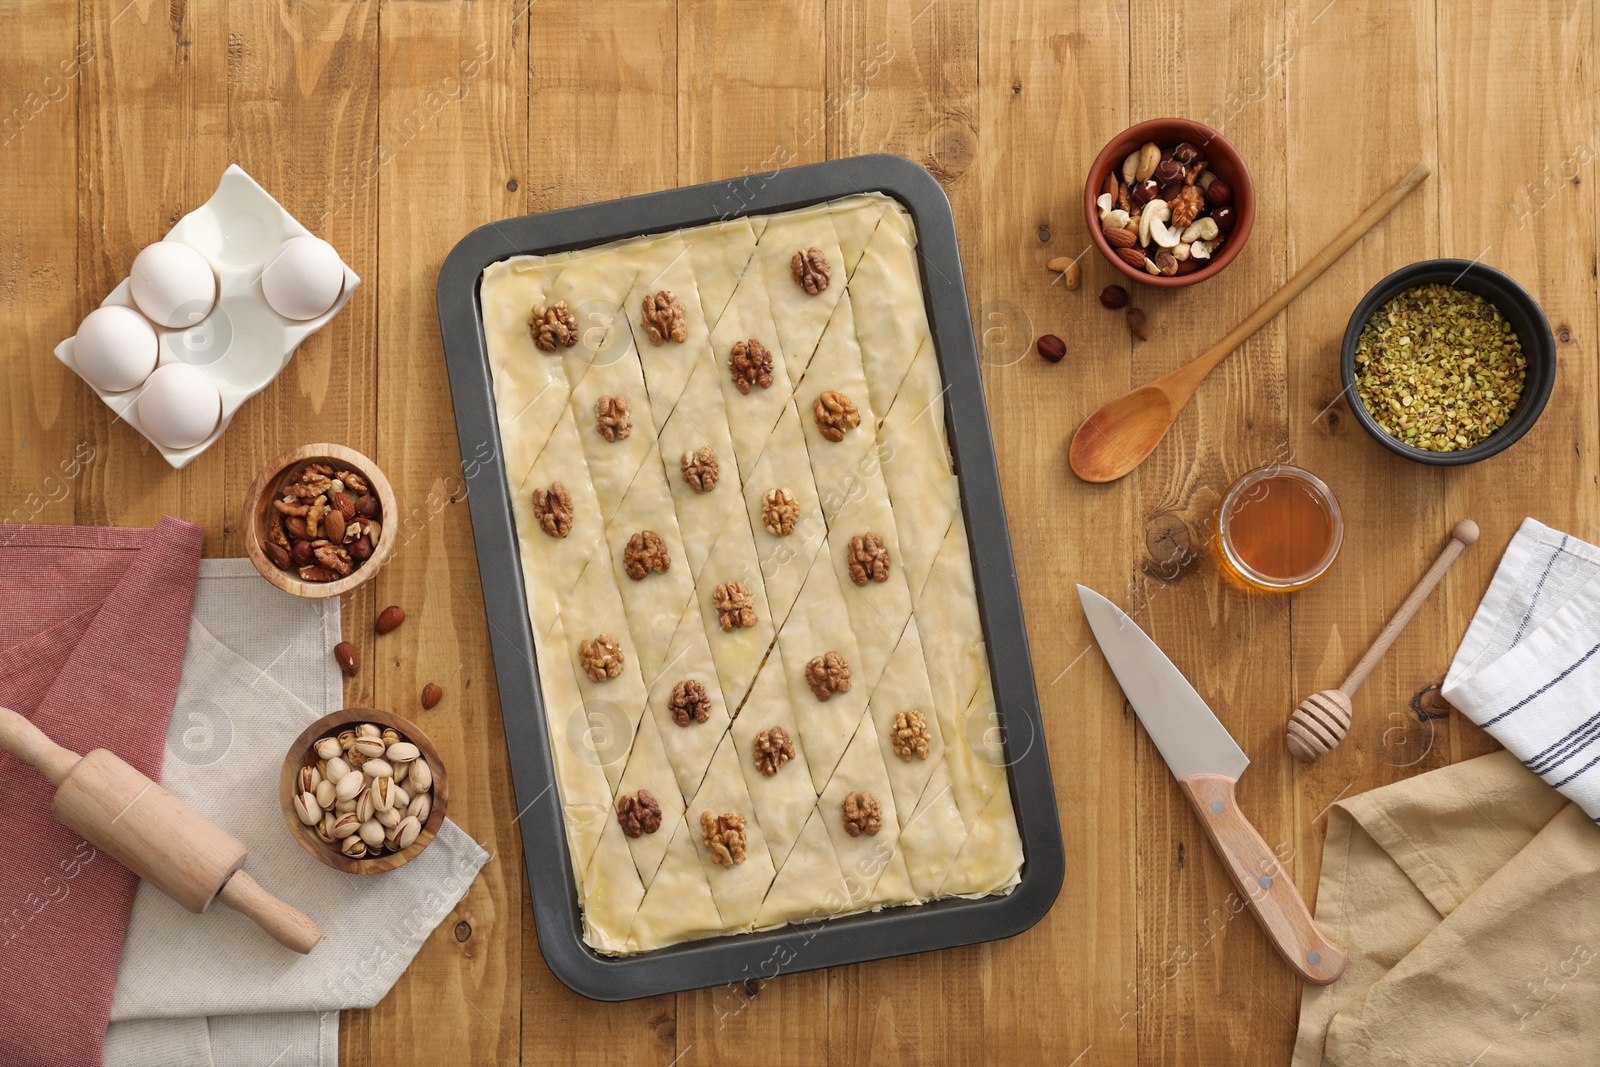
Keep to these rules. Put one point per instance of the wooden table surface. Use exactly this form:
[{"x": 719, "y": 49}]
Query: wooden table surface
[{"x": 392, "y": 129}]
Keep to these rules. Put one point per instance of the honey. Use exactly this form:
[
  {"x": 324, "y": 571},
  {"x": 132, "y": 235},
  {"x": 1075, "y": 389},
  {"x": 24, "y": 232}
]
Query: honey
[{"x": 1280, "y": 529}]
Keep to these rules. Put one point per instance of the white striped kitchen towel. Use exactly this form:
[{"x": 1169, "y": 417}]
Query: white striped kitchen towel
[{"x": 1528, "y": 670}]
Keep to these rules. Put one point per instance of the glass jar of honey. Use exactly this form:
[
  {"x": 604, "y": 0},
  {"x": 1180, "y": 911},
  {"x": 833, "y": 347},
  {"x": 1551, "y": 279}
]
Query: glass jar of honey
[{"x": 1279, "y": 529}]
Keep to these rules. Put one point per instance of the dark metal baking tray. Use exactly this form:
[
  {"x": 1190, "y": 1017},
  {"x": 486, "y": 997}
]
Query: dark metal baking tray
[{"x": 827, "y": 942}]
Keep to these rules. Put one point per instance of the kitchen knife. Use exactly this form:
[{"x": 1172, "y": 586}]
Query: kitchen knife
[{"x": 1207, "y": 762}]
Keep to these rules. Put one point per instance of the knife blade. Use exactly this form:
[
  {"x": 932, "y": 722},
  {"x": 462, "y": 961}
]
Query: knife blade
[{"x": 1207, "y": 762}]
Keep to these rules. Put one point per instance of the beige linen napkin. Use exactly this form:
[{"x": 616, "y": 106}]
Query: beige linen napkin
[{"x": 1469, "y": 898}]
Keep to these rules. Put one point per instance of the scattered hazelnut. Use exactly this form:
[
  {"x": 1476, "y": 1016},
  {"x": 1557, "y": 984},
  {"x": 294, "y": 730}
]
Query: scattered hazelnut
[
  {"x": 1114, "y": 297},
  {"x": 1052, "y": 348}
]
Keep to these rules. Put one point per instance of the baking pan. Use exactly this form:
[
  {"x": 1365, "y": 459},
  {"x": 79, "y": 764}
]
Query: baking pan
[{"x": 807, "y": 945}]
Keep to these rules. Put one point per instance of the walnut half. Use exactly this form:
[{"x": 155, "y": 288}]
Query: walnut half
[
  {"x": 552, "y": 326},
  {"x": 779, "y": 512},
  {"x": 736, "y": 608},
  {"x": 689, "y": 702},
  {"x": 910, "y": 735},
  {"x": 828, "y": 674},
  {"x": 553, "y": 509},
  {"x": 613, "y": 417},
  {"x": 701, "y": 469},
  {"x": 645, "y": 552},
  {"x": 835, "y": 414},
  {"x": 869, "y": 560},
  {"x": 724, "y": 837},
  {"x": 601, "y": 658},
  {"x": 862, "y": 814},
  {"x": 639, "y": 814},
  {"x": 750, "y": 364},
  {"x": 773, "y": 749},
  {"x": 663, "y": 318},
  {"x": 810, "y": 270}
]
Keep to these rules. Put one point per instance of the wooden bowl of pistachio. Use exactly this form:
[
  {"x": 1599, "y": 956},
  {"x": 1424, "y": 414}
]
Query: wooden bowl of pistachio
[{"x": 363, "y": 790}]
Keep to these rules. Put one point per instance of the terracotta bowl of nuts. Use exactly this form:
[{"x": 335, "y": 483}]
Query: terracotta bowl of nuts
[
  {"x": 313, "y": 521},
  {"x": 363, "y": 790},
  {"x": 1447, "y": 362},
  {"x": 1169, "y": 202}
]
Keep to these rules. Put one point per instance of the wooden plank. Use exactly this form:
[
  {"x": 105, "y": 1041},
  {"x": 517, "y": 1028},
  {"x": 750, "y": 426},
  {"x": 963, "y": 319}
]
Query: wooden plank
[
  {"x": 752, "y": 82},
  {"x": 152, "y": 128},
  {"x": 602, "y": 76},
  {"x": 1334, "y": 621},
  {"x": 903, "y": 79},
  {"x": 1052, "y": 89},
  {"x": 1198, "y": 960},
  {"x": 40, "y": 82},
  {"x": 452, "y": 119}
]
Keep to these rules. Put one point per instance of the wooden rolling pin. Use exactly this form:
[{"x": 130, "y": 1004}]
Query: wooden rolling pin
[
  {"x": 153, "y": 833},
  {"x": 1320, "y": 722}
]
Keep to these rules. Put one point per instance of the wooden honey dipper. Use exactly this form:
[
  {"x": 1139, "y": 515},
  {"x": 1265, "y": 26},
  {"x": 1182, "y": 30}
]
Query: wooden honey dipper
[
  {"x": 152, "y": 833},
  {"x": 1320, "y": 722}
]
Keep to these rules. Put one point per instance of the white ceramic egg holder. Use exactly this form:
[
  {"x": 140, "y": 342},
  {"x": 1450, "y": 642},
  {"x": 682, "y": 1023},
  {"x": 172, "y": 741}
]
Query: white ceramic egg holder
[{"x": 242, "y": 344}]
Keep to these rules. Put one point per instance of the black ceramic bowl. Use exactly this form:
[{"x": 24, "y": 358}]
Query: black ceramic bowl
[{"x": 1519, "y": 309}]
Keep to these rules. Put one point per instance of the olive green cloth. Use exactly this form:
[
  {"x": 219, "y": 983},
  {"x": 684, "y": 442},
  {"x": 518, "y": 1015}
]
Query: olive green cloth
[{"x": 1469, "y": 899}]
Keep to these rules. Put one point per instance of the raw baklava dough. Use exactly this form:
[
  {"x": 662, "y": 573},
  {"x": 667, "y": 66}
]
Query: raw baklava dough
[{"x": 752, "y": 600}]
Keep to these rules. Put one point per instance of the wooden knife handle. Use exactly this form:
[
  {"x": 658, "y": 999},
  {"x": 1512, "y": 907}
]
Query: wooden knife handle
[{"x": 1262, "y": 881}]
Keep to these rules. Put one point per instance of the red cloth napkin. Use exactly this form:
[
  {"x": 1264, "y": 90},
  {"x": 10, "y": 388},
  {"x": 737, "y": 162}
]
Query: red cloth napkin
[{"x": 93, "y": 624}]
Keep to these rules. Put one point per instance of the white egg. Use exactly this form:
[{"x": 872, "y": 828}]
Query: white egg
[
  {"x": 173, "y": 284},
  {"x": 303, "y": 278},
  {"x": 115, "y": 348},
  {"x": 180, "y": 406}
]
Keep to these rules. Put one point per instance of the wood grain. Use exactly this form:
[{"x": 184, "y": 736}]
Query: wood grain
[{"x": 392, "y": 128}]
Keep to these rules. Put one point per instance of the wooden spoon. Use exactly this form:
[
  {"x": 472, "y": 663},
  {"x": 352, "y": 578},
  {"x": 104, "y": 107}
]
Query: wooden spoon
[{"x": 1118, "y": 437}]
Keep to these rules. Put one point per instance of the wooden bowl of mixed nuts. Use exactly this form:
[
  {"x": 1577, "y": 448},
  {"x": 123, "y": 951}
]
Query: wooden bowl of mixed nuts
[
  {"x": 313, "y": 521},
  {"x": 1169, "y": 202},
  {"x": 1447, "y": 362},
  {"x": 363, "y": 790}
]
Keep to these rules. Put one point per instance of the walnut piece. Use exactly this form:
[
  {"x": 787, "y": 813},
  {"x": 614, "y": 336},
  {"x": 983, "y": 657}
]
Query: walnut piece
[
  {"x": 751, "y": 364},
  {"x": 835, "y": 414},
  {"x": 644, "y": 553},
  {"x": 639, "y": 814},
  {"x": 869, "y": 560},
  {"x": 736, "y": 608},
  {"x": 701, "y": 469},
  {"x": 663, "y": 318},
  {"x": 553, "y": 509},
  {"x": 779, "y": 512},
  {"x": 724, "y": 837},
  {"x": 601, "y": 658},
  {"x": 333, "y": 557},
  {"x": 354, "y": 481},
  {"x": 552, "y": 326},
  {"x": 1186, "y": 207},
  {"x": 862, "y": 814},
  {"x": 612, "y": 417},
  {"x": 773, "y": 750},
  {"x": 810, "y": 270},
  {"x": 828, "y": 674},
  {"x": 314, "y": 573},
  {"x": 689, "y": 701},
  {"x": 910, "y": 735}
]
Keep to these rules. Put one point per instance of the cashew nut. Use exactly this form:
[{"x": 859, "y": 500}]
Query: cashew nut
[
  {"x": 1164, "y": 235},
  {"x": 1154, "y": 211},
  {"x": 1205, "y": 180},
  {"x": 1103, "y": 202},
  {"x": 1115, "y": 219},
  {"x": 1204, "y": 229},
  {"x": 1149, "y": 159},
  {"x": 1201, "y": 249},
  {"x": 1151, "y": 268},
  {"x": 1180, "y": 251},
  {"x": 1130, "y": 166}
]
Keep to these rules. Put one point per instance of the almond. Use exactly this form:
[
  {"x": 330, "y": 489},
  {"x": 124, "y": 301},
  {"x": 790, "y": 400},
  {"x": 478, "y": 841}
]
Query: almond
[
  {"x": 1133, "y": 257},
  {"x": 333, "y": 522},
  {"x": 431, "y": 695},
  {"x": 349, "y": 659},
  {"x": 1138, "y": 325},
  {"x": 1121, "y": 238},
  {"x": 390, "y": 618},
  {"x": 278, "y": 555},
  {"x": 343, "y": 503}
]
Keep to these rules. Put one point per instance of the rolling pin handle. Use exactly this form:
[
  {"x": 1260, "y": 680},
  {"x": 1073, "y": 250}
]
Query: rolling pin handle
[
  {"x": 28, "y": 743},
  {"x": 287, "y": 924}
]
